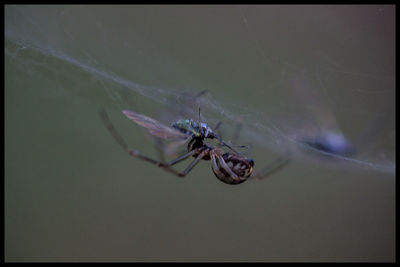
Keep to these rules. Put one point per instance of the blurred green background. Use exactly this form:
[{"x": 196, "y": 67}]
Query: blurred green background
[{"x": 72, "y": 194}]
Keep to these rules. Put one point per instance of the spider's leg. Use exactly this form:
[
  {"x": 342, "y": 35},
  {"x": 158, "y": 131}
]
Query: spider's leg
[
  {"x": 222, "y": 164},
  {"x": 194, "y": 162},
  {"x": 112, "y": 130},
  {"x": 216, "y": 130},
  {"x": 236, "y": 134},
  {"x": 166, "y": 166},
  {"x": 215, "y": 165},
  {"x": 222, "y": 143},
  {"x": 226, "y": 168},
  {"x": 237, "y": 131},
  {"x": 137, "y": 154},
  {"x": 183, "y": 157},
  {"x": 272, "y": 167}
]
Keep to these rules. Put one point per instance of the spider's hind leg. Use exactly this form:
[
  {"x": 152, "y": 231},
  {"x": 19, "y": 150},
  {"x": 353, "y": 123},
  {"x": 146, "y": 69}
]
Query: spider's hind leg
[{"x": 272, "y": 167}]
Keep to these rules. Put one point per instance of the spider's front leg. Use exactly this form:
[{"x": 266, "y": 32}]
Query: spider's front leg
[{"x": 166, "y": 166}]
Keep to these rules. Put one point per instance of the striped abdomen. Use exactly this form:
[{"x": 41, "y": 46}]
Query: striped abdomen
[{"x": 241, "y": 166}]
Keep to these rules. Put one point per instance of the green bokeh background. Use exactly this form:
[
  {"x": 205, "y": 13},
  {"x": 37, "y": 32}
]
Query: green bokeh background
[{"x": 72, "y": 194}]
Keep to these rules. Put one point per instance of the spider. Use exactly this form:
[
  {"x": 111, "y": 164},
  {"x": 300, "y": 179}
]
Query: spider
[{"x": 230, "y": 168}]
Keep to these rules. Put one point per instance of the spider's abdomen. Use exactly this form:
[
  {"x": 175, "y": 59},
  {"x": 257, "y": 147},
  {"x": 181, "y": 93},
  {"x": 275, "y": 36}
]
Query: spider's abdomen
[{"x": 241, "y": 166}]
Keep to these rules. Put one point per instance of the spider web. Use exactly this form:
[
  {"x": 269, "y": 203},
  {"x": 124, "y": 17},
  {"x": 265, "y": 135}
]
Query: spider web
[{"x": 281, "y": 85}]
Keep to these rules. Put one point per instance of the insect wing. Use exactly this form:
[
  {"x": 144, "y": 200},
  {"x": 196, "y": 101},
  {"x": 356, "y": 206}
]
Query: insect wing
[{"x": 154, "y": 127}]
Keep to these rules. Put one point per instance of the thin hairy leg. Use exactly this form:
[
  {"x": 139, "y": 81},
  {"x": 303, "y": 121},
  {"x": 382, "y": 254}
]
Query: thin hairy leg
[
  {"x": 226, "y": 167},
  {"x": 223, "y": 164},
  {"x": 137, "y": 154},
  {"x": 272, "y": 167}
]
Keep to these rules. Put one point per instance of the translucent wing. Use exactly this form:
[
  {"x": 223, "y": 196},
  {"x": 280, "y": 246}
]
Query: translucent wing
[{"x": 154, "y": 127}]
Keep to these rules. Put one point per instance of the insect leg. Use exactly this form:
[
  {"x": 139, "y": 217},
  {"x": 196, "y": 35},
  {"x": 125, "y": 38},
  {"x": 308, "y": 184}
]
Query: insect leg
[
  {"x": 217, "y": 130},
  {"x": 112, "y": 130}
]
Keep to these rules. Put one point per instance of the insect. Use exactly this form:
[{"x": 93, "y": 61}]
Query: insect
[{"x": 230, "y": 168}]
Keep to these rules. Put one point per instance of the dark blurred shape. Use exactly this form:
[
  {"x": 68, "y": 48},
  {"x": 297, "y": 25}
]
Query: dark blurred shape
[{"x": 331, "y": 143}]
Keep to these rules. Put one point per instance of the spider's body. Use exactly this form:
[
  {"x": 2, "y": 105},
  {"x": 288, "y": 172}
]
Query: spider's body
[
  {"x": 230, "y": 168},
  {"x": 227, "y": 167},
  {"x": 241, "y": 166}
]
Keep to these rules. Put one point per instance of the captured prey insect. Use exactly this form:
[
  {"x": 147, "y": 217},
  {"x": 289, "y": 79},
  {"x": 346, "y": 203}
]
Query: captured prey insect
[{"x": 230, "y": 168}]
